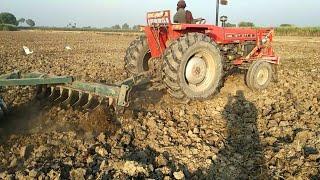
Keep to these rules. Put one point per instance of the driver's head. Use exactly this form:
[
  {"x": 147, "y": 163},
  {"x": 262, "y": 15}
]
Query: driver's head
[{"x": 181, "y": 4}]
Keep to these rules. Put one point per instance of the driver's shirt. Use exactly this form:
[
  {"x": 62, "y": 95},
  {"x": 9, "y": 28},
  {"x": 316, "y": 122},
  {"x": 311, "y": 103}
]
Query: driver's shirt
[{"x": 180, "y": 16}]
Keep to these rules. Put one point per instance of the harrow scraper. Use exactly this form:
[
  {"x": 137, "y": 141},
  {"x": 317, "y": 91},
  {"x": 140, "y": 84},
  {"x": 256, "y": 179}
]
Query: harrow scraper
[{"x": 68, "y": 92}]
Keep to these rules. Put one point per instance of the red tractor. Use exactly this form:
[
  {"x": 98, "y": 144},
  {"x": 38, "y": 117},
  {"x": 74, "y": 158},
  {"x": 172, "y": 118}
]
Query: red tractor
[{"x": 194, "y": 58}]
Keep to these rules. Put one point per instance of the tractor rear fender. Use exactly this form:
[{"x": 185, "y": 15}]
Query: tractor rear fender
[{"x": 160, "y": 37}]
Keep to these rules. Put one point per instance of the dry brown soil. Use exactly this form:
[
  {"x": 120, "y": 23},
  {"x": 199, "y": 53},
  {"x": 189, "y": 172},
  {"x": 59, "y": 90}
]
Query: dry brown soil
[{"x": 239, "y": 134}]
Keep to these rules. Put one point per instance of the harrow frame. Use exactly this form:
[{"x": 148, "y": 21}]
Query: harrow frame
[
  {"x": 64, "y": 87},
  {"x": 17, "y": 78}
]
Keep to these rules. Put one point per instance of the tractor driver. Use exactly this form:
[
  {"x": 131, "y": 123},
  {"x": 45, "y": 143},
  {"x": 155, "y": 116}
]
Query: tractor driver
[
  {"x": 185, "y": 16},
  {"x": 182, "y": 15}
]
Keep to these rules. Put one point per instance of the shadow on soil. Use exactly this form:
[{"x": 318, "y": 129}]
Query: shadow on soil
[
  {"x": 20, "y": 119},
  {"x": 243, "y": 152},
  {"x": 241, "y": 158}
]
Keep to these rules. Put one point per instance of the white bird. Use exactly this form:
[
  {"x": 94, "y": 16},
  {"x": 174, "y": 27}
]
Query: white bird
[
  {"x": 27, "y": 50},
  {"x": 68, "y": 48}
]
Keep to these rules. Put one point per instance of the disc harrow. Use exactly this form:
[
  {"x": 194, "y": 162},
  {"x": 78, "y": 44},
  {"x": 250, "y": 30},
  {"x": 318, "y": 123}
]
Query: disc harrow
[
  {"x": 3, "y": 108},
  {"x": 67, "y": 92},
  {"x": 66, "y": 97}
]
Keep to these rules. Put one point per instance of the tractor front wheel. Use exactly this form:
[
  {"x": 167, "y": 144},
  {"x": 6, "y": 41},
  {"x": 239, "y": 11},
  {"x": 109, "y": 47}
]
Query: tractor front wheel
[
  {"x": 259, "y": 75},
  {"x": 137, "y": 56},
  {"x": 193, "y": 68}
]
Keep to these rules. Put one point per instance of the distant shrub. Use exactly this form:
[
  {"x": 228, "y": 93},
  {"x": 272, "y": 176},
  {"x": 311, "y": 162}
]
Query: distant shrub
[
  {"x": 286, "y": 25},
  {"x": 230, "y": 25},
  {"x": 8, "y": 27}
]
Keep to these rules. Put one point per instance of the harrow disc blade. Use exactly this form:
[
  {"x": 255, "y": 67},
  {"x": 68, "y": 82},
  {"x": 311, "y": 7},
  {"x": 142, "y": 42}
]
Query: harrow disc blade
[
  {"x": 82, "y": 100},
  {"x": 1, "y": 113},
  {"x": 92, "y": 103},
  {"x": 73, "y": 97},
  {"x": 3, "y": 108},
  {"x": 42, "y": 92},
  {"x": 66, "y": 97},
  {"x": 98, "y": 102},
  {"x": 54, "y": 94},
  {"x": 62, "y": 97}
]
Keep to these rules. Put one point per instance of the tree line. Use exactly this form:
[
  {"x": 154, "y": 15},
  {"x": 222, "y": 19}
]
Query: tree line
[
  {"x": 9, "y": 19},
  {"x": 125, "y": 26}
]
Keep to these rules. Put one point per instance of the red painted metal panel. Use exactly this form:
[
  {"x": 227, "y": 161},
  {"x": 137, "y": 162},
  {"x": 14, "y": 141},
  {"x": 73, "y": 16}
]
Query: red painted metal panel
[{"x": 157, "y": 39}]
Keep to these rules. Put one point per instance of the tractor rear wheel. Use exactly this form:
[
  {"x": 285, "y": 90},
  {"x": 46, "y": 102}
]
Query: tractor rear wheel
[
  {"x": 259, "y": 75},
  {"x": 137, "y": 56},
  {"x": 193, "y": 68}
]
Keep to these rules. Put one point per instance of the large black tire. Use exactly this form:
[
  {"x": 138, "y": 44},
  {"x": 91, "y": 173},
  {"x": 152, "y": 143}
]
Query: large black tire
[
  {"x": 259, "y": 75},
  {"x": 204, "y": 77},
  {"x": 137, "y": 56}
]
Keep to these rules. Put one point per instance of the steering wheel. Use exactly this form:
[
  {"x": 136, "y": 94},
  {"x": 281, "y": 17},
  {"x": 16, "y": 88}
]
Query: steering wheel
[{"x": 200, "y": 21}]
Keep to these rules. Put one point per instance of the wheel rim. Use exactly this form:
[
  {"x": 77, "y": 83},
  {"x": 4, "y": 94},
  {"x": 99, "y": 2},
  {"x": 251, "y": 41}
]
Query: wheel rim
[
  {"x": 199, "y": 71},
  {"x": 196, "y": 70},
  {"x": 262, "y": 76}
]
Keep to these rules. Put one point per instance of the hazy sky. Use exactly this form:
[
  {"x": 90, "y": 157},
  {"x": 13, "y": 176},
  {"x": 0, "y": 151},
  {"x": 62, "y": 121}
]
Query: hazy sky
[{"x": 104, "y": 13}]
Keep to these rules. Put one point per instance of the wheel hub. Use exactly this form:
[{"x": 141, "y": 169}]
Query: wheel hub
[
  {"x": 262, "y": 76},
  {"x": 196, "y": 70}
]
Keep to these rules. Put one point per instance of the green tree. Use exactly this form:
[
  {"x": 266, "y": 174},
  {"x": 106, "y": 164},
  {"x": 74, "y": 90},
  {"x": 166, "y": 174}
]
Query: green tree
[
  {"x": 8, "y": 18},
  {"x": 125, "y": 26},
  {"x": 30, "y": 22},
  {"x": 117, "y": 26},
  {"x": 246, "y": 24}
]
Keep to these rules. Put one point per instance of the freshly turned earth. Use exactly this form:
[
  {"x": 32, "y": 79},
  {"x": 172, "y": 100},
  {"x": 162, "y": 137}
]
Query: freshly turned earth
[{"x": 239, "y": 134}]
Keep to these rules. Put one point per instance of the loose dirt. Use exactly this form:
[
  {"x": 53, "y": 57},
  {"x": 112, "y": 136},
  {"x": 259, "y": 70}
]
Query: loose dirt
[{"x": 239, "y": 134}]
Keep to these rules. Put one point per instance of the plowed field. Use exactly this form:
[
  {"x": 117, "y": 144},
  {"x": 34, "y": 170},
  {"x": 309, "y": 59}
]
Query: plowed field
[{"x": 239, "y": 134}]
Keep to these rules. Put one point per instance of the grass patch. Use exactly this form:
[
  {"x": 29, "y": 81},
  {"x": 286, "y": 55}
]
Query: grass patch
[{"x": 298, "y": 31}]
